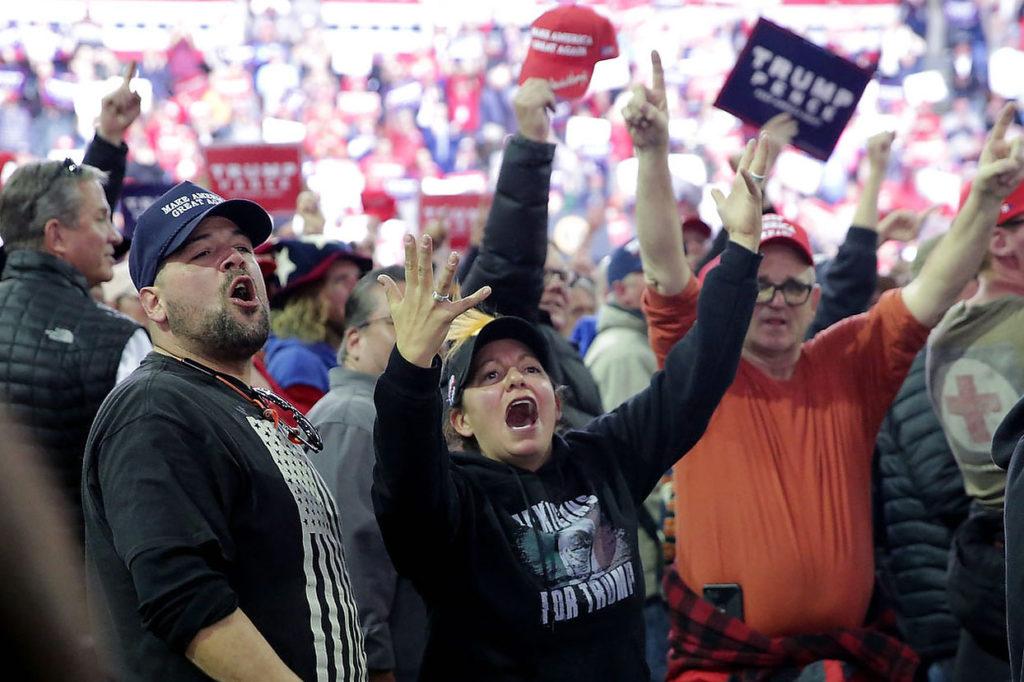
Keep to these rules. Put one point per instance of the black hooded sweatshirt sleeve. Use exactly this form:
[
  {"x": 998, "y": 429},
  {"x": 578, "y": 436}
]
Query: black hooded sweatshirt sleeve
[
  {"x": 511, "y": 261},
  {"x": 112, "y": 159},
  {"x": 515, "y": 242},
  {"x": 420, "y": 497},
  {"x": 848, "y": 280}
]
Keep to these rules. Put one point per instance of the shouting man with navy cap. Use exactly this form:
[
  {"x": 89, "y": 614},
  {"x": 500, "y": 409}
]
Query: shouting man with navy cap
[{"x": 213, "y": 544}]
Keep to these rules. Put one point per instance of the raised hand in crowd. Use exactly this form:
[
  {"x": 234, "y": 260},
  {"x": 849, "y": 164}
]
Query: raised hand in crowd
[
  {"x": 903, "y": 225},
  {"x": 657, "y": 217},
  {"x": 741, "y": 210},
  {"x": 657, "y": 220},
  {"x": 646, "y": 113},
  {"x": 532, "y": 103},
  {"x": 476, "y": 229},
  {"x": 423, "y": 314},
  {"x": 119, "y": 109},
  {"x": 1001, "y": 165},
  {"x": 780, "y": 129},
  {"x": 879, "y": 150},
  {"x": 307, "y": 207},
  {"x": 959, "y": 255}
]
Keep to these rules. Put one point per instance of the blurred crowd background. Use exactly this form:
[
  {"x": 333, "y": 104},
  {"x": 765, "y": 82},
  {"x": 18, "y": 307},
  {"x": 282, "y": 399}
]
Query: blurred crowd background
[{"x": 410, "y": 97}]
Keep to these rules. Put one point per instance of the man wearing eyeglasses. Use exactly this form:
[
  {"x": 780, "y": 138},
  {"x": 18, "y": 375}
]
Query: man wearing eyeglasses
[
  {"x": 773, "y": 504},
  {"x": 62, "y": 353},
  {"x": 392, "y": 615}
]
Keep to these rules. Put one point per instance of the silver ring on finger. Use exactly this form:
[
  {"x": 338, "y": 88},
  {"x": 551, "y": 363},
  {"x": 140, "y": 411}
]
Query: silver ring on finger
[
  {"x": 445, "y": 298},
  {"x": 756, "y": 177}
]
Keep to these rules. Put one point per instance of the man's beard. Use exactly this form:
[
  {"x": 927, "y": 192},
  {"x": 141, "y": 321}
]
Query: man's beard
[{"x": 216, "y": 334}]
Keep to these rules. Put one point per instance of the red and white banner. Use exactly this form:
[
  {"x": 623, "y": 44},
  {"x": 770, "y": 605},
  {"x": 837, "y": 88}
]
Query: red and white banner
[
  {"x": 458, "y": 212},
  {"x": 269, "y": 174}
]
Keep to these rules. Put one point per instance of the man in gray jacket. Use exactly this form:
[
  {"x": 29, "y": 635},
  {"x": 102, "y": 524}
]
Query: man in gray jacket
[
  {"x": 620, "y": 358},
  {"x": 391, "y": 614}
]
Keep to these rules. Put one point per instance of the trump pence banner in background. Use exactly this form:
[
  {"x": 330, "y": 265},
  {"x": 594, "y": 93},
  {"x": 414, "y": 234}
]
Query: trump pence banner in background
[
  {"x": 269, "y": 174},
  {"x": 779, "y": 71}
]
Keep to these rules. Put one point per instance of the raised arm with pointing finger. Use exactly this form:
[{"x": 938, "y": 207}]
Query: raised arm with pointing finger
[
  {"x": 958, "y": 256},
  {"x": 657, "y": 219},
  {"x": 107, "y": 150}
]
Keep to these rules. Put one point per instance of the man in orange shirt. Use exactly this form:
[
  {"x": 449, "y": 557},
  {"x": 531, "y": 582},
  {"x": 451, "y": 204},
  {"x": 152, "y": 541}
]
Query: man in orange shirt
[{"x": 773, "y": 503}]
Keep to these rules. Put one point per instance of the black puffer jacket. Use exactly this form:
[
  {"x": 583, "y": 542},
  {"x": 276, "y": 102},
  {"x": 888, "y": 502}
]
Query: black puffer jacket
[
  {"x": 59, "y": 353},
  {"x": 511, "y": 261},
  {"x": 921, "y": 498}
]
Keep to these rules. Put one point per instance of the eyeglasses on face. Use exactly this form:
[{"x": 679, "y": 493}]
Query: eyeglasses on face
[
  {"x": 794, "y": 292},
  {"x": 386, "y": 319},
  {"x": 566, "y": 276}
]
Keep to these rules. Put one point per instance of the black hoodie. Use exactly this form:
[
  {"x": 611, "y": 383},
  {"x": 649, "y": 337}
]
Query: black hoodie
[
  {"x": 1008, "y": 453},
  {"x": 535, "y": 575}
]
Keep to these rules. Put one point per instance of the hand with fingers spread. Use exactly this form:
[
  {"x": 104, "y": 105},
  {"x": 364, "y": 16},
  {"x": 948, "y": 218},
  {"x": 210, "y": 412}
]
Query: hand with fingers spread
[
  {"x": 532, "y": 103},
  {"x": 119, "y": 109},
  {"x": 741, "y": 210},
  {"x": 1001, "y": 166},
  {"x": 646, "y": 113},
  {"x": 424, "y": 313}
]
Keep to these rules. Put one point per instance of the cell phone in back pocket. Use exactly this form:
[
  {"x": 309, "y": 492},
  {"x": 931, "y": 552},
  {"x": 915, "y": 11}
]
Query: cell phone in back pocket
[{"x": 726, "y": 597}]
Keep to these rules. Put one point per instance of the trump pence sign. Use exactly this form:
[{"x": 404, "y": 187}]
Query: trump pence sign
[
  {"x": 269, "y": 174},
  {"x": 779, "y": 71}
]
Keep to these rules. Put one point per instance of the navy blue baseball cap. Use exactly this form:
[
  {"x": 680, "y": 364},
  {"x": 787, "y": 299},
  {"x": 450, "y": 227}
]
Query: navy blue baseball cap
[
  {"x": 307, "y": 261},
  {"x": 167, "y": 223},
  {"x": 624, "y": 261}
]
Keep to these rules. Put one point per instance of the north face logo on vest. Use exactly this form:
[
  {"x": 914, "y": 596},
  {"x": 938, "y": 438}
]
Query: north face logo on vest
[{"x": 60, "y": 335}]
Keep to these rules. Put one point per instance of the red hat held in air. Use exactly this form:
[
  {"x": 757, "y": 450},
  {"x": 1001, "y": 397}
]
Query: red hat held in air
[{"x": 565, "y": 43}]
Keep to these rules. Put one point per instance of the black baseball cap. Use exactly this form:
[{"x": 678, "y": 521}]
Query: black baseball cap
[
  {"x": 456, "y": 371},
  {"x": 167, "y": 223}
]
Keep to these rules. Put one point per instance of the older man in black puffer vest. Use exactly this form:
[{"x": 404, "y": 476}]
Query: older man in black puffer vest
[{"x": 60, "y": 351}]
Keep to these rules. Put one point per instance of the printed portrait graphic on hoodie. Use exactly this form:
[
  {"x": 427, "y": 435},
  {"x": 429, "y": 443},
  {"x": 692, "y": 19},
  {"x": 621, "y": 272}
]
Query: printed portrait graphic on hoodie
[{"x": 582, "y": 561}]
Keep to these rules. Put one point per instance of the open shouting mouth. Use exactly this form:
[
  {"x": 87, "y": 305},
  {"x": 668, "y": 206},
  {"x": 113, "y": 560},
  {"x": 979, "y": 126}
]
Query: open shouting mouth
[
  {"x": 243, "y": 292},
  {"x": 521, "y": 413}
]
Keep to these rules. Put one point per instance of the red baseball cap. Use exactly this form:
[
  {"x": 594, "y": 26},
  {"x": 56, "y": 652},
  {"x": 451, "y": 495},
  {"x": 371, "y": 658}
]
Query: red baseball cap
[
  {"x": 565, "y": 43},
  {"x": 379, "y": 204},
  {"x": 777, "y": 230},
  {"x": 1012, "y": 206},
  {"x": 697, "y": 225}
]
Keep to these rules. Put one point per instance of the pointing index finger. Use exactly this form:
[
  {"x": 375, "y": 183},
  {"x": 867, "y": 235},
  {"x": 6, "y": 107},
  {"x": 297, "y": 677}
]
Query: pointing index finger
[
  {"x": 658, "y": 81},
  {"x": 1003, "y": 122},
  {"x": 129, "y": 73}
]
